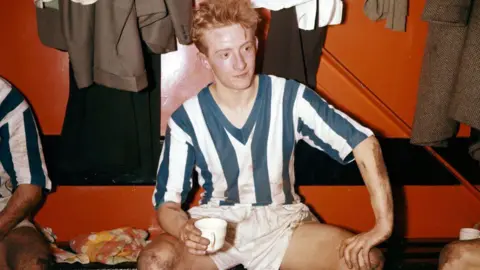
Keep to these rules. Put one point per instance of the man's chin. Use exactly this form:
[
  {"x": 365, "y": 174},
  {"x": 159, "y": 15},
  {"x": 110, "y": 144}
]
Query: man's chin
[{"x": 242, "y": 83}]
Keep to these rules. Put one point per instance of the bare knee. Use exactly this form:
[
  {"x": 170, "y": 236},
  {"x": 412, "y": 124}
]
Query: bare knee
[
  {"x": 376, "y": 258},
  {"x": 453, "y": 256},
  {"x": 33, "y": 263},
  {"x": 26, "y": 249},
  {"x": 161, "y": 258}
]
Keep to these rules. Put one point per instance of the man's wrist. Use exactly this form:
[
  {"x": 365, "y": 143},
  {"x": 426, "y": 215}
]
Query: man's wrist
[{"x": 384, "y": 225}]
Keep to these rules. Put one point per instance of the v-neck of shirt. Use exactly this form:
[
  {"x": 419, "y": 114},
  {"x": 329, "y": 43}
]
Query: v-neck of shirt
[{"x": 241, "y": 134}]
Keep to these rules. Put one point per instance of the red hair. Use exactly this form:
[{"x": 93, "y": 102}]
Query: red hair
[{"x": 212, "y": 14}]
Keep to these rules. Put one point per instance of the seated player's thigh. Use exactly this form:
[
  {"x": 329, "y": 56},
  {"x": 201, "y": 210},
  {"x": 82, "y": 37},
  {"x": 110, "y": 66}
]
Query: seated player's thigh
[
  {"x": 316, "y": 246},
  {"x": 167, "y": 252}
]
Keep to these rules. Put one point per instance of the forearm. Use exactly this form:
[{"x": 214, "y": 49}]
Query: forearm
[
  {"x": 172, "y": 218},
  {"x": 370, "y": 161},
  {"x": 23, "y": 201}
]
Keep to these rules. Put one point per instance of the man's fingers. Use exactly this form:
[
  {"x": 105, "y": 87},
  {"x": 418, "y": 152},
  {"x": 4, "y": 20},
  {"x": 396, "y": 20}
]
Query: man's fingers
[
  {"x": 346, "y": 254},
  {"x": 191, "y": 228},
  {"x": 364, "y": 255},
  {"x": 352, "y": 252},
  {"x": 344, "y": 244},
  {"x": 198, "y": 239},
  {"x": 361, "y": 262},
  {"x": 193, "y": 245},
  {"x": 196, "y": 252}
]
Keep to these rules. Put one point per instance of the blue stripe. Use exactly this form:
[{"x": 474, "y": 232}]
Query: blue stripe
[
  {"x": 38, "y": 176},
  {"x": 163, "y": 171},
  {"x": 181, "y": 118},
  {"x": 6, "y": 155},
  {"x": 188, "y": 173},
  {"x": 261, "y": 177},
  {"x": 223, "y": 145},
  {"x": 289, "y": 95},
  {"x": 336, "y": 122},
  {"x": 306, "y": 131},
  {"x": 13, "y": 99}
]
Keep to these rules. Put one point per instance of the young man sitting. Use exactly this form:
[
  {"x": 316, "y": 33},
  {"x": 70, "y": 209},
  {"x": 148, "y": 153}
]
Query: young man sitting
[
  {"x": 239, "y": 133},
  {"x": 23, "y": 177}
]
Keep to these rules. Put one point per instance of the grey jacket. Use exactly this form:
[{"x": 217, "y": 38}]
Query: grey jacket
[
  {"x": 104, "y": 40},
  {"x": 449, "y": 87}
]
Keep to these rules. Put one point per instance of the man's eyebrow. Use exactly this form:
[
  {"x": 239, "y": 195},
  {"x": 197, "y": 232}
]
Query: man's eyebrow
[
  {"x": 228, "y": 49},
  {"x": 222, "y": 50}
]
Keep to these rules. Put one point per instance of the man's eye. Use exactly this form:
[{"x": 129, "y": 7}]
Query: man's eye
[{"x": 225, "y": 55}]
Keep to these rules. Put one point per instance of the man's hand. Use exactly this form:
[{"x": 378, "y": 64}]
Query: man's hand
[
  {"x": 191, "y": 236},
  {"x": 355, "y": 250}
]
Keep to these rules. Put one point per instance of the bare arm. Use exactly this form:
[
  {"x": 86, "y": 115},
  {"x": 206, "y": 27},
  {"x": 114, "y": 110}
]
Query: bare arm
[
  {"x": 372, "y": 167},
  {"x": 24, "y": 200},
  {"x": 172, "y": 218},
  {"x": 368, "y": 155},
  {"x": 177, "y": 223}
]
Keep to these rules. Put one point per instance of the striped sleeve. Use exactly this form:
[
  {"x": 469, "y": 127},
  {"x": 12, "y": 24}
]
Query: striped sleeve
[
  {"x": 176, "y": 163},
  {"x": 20, "y": 147},
  {"x": 326, "y": 128}
]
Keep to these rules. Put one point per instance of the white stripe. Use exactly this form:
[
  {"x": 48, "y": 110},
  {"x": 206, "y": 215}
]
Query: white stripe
[
  {"x": 176, "y": 169},
  {"x": 5, "y": 89},
  {"x": 246, "y": 187},
  {"x": 275, "y": 141}
]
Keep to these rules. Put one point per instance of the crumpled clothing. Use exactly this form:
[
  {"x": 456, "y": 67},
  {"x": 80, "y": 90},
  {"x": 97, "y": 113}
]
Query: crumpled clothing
[
  {"x": 111, "y": 247},
  {"x": 107, "y": 247},
  {"x": 63, "y": 256}
]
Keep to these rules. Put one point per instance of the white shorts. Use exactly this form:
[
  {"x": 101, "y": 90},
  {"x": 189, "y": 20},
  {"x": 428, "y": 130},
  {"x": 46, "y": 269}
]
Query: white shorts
[
  {"x": 23, "y": 223},
  {"x": 257, "y": 236}
]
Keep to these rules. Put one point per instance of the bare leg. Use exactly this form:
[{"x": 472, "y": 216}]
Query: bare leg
[
  {"x": 316, "y": 246},
  {"x": 167, "y": 253},
  {"x": 26, "y": 249},
  {"x": 461, "y": 255}
]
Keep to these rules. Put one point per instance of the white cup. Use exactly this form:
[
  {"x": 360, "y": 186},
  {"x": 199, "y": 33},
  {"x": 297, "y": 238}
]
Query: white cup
[
  {"x": 469, "y": 234},
  {"x": 214, "y": 229}
]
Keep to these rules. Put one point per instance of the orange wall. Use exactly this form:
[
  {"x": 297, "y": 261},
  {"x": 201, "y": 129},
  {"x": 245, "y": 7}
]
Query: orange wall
[
  {"x": 367, "y": 68},
  {"x": 430, "y": 212},
  {"x": 39, "y": 72}
]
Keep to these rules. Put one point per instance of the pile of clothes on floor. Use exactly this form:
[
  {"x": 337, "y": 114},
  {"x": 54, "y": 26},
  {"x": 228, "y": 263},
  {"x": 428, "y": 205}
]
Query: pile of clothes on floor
[{"x": 107, "y": 247}]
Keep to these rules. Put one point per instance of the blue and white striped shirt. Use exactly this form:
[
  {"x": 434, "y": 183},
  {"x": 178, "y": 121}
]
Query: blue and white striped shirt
[
  {"x": 21, "y": 156},
  {"x": 254, "y": 164}
]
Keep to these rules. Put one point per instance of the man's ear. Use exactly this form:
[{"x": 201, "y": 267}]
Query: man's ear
[{"x": 204, "y": 60}]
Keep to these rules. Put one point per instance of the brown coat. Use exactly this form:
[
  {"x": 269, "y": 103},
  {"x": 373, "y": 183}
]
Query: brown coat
[
  {"x": 449, "y": 88},
  {"x": 104, "y": 40}
]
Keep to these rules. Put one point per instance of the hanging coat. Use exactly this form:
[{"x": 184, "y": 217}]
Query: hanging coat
[{"x": 449, "y": 87}]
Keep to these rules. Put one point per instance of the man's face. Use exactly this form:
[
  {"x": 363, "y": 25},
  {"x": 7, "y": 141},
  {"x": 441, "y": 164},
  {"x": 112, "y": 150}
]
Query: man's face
[{"x": 231, "y": 56}]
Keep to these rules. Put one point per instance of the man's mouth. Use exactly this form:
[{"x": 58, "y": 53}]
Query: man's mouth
[{"x": 241, "y": 75}]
